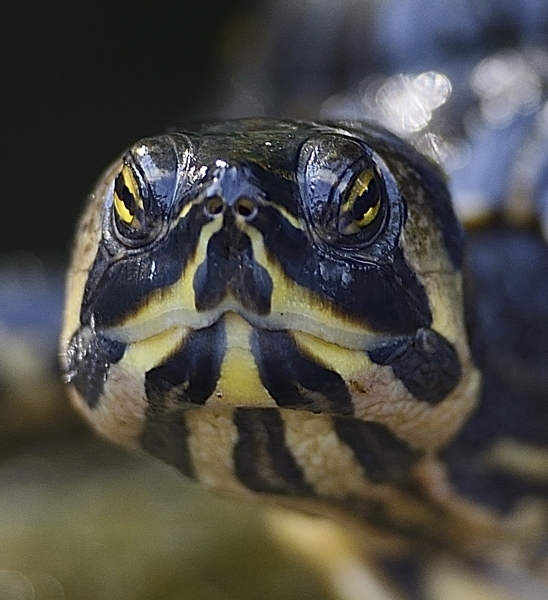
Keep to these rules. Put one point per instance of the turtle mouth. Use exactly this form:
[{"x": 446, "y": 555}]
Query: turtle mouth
[{"x": 345, "y": 335}]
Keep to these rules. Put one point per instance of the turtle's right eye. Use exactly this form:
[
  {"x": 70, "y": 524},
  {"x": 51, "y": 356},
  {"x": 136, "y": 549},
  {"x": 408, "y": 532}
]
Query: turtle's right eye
[
  {"x": 144, "y": 193},
  {"x": 128, "y": 203},
  {"x": 137, "y": 214}
]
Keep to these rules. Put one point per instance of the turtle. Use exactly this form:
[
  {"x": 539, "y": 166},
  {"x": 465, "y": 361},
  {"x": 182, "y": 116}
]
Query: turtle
[{"x": 290, "y": 311}]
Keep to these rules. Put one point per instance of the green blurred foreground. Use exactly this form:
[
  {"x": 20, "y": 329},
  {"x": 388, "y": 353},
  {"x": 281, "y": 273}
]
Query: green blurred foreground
[{"x": 82, "y": 520}]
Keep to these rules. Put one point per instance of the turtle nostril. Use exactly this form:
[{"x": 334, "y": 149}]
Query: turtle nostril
[
  {"x": 214, "y": 206},
  {"x": 246, "y": 208}
]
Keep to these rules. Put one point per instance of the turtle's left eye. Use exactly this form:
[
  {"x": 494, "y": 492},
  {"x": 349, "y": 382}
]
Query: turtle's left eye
[
  {"x": 362, "y": 205},
  {"x": 344, "y": 189}
]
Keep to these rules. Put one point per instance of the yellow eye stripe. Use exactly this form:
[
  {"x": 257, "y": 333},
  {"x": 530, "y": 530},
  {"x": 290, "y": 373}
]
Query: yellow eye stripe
[
  {"x": 121, "y": 210},
  {"x": 359, "y": 187},
  {"x": 130, "y": 184}
]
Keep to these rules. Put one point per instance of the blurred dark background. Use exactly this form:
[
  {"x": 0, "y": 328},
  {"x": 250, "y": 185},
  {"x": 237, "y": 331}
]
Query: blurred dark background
[{"x": 81, "y": 80}]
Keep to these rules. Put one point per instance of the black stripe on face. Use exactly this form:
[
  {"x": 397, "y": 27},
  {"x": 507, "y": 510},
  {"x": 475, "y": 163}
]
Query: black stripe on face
[
  {"x": 426, "y": 364},
  {"x": 230, "y": 267},
  {"x": 261, "y": 459},
  {"x": 166, "y": 438},
  {"x": 293, "y": 379},
  {"x": 191, "y": 373},
  {"x": 383, "y": 456},
  {"x": 90, "y": 357}
]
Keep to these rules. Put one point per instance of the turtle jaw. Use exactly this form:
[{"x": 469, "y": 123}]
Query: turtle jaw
[{"x": 291, "y": 319}]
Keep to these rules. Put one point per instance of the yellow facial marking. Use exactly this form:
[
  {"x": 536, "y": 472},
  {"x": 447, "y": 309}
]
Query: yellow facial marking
[
  {"x": 295, "y": 222},
  {"x": 239, "y": 383},
  {"x": 341, "y": 360},
  {"x": 148, "y": 353},
  {"x": 186, "y": 209},
  {"x": 447, "y": 317}
]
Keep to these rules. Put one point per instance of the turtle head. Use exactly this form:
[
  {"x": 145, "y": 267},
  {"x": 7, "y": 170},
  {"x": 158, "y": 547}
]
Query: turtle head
[{"x": 267, "y": 264}]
